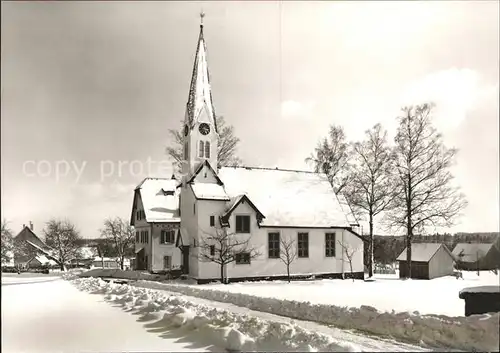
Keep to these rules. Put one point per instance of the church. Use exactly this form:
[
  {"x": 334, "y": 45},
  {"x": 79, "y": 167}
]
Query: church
[{"x": 250, "y": 216}]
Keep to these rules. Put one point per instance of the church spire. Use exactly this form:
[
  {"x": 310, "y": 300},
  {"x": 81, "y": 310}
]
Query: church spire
[{"x": 200, "y": 93}]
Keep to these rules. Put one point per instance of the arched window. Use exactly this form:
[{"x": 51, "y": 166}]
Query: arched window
[
  {"x": 207, "y": 149},
  {"x": 202, "y": 149}
]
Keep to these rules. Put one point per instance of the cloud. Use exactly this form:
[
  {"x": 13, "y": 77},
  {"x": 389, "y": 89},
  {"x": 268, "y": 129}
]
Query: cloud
[
  {"x": 295, "y": 109},
  {"x": 455, "y": 92}
]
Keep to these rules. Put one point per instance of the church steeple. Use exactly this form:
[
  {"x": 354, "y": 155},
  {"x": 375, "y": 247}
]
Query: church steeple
[
  {"x": 200, "y": 125},
  {"x": 200, "y": 107}
]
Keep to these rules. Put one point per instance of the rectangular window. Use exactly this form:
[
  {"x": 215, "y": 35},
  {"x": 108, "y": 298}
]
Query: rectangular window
[
  {"x": 136, "y": 237},
  {"x": 303, "y": 244},
  {"x": 212, "y": 221},
  {"x": 167, "y": 236},
  {"x": 242, "y": 258},
  {"x": 274, "y": 245},
  {"x": 194, "y": 208},
  {"x": 185, "y": 151},
  {"x": 330, "y": 244},
  {"x": 167, "y": 262},
  {"x": 146, "y": 235},
  {"x": 201, "y": 149},
  {"x": 242, "y": 224},
  {"x": 207, "y": 149},
  {"x": 212, "y": 250}
]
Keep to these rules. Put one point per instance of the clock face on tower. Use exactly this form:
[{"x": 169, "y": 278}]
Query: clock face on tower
[
  {"x": 204, "y": 128},
  {"x": 186, "y": 130}
]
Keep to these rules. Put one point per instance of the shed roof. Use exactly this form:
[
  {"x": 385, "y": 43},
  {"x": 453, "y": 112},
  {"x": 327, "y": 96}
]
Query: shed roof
[
  {"x": 422, "y": 252},
  {"x": 471, "y": 252}
]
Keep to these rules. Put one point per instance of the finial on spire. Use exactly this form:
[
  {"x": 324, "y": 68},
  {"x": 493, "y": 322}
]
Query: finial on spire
[{"x": 202, "y": 14}]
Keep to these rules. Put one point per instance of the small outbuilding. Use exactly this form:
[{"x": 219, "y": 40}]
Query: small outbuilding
[
  {"x": 428, "y": 261},
  {"x": 476, "y": 256}
]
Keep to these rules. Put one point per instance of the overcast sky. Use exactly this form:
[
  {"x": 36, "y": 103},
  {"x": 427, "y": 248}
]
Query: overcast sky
[{"x": 96, "y": 83}]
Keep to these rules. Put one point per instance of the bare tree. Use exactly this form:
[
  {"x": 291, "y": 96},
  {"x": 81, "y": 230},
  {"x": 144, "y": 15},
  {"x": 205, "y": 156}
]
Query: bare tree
[
  {"x": 62, "y": 236},
  {"x": 370, "y": 191},
  {"x": 332, "y": 156},
  {"x": 226, "y": 146},
  {"x": 120, "y": 235},
  {"x": 224, "y": 248},
  {"x": 7, "y": 242},
  {"x": 349, "y": 252},
  {"x": 288, "y": 253},
  {"x": 424, "y": 194}
]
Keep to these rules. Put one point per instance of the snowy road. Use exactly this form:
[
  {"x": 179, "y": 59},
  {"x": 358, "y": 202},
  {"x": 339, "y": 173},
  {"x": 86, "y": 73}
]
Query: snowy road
[{"x": 54, "y": 316}]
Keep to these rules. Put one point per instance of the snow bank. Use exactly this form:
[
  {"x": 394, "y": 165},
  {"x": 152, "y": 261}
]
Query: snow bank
[
  {"x": 218, "y": 327},
  {"x": 117, "y": 273},
  {"x": 72, "y": 274},
  {"x": 473, "y": 333}
]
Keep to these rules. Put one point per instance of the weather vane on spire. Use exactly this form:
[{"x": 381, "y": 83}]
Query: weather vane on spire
[{"x": 202, "y": 14}]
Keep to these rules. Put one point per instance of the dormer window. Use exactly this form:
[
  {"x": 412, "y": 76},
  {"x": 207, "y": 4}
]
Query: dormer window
[{"x": 167, "y": 192}]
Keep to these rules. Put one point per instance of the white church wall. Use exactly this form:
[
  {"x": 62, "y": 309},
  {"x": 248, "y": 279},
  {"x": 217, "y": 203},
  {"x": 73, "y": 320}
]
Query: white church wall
[
  {"x": 159, "y": 250},
  {"x": 209, "y": 208},
  {"x": 189, "y": 224},
  {"x": 193, "y": 141},
  {"x": 206, "y": 176},
  {"x": 317, "y": 262}
]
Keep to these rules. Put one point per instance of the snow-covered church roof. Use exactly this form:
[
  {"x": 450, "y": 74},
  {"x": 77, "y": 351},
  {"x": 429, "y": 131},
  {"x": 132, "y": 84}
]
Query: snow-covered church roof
[
  {"x": 285, "y": 197},
  {"x": 347, "y": 210},
  {"x": 160, "y": 199}
]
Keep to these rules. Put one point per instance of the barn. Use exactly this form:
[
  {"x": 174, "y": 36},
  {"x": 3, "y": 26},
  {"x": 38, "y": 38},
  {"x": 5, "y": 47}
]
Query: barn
[{"x": 428, "y": 261}]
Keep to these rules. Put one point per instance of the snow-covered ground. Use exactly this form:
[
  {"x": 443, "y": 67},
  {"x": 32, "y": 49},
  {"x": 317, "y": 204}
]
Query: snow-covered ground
[
  {"x": 56, "y": 317},
  {"x": 26, "y": 278},
  {"x": 386, "y": 293},
  {"x": 359, "y": 312},
  {"x": 230, "y": 327}
]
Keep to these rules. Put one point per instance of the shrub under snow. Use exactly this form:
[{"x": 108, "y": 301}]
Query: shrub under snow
[
  {"x": 473, "y": 333},
  {"x": 220, "y": 328}
]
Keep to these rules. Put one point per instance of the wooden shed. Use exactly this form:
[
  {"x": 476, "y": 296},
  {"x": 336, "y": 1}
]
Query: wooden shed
[{"x": 428, "y": 261}]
